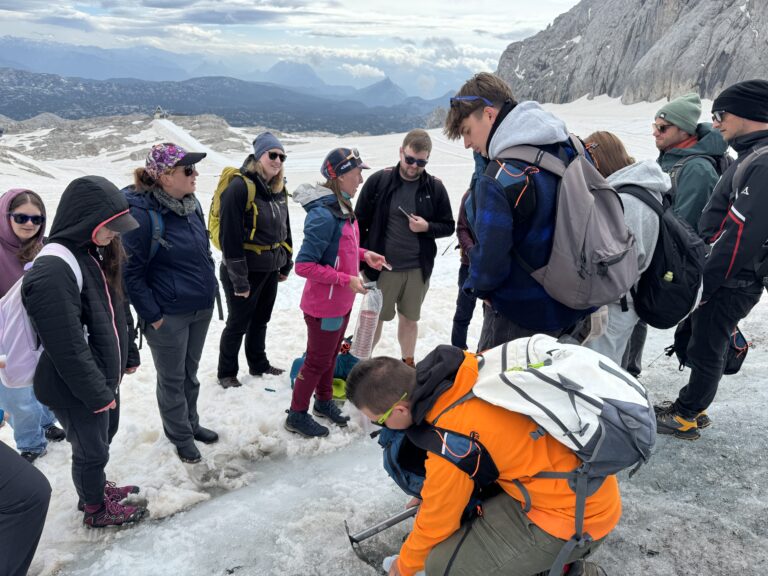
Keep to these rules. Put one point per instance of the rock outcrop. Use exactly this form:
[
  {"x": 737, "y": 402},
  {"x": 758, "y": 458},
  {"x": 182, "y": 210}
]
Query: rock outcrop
[{"x": 641, "y": 50}]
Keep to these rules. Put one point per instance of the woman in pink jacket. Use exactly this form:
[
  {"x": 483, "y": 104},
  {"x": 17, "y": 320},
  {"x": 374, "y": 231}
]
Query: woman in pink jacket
[{"x": 330, "y": 261}]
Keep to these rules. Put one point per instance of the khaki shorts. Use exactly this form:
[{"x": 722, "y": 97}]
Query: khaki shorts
[{"x": 405, "y": 289}]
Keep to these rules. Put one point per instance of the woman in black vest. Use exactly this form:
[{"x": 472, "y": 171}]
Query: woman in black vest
[
  {"x": 256, "y": 251},
  {"x": 85, "y": 338}
]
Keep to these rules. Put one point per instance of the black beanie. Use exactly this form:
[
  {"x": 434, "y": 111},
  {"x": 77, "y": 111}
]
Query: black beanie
[{"x": 747, "y": 99}]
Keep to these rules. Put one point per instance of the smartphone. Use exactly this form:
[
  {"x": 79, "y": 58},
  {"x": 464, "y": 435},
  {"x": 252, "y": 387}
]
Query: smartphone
[{"x": 409, "y": 216}]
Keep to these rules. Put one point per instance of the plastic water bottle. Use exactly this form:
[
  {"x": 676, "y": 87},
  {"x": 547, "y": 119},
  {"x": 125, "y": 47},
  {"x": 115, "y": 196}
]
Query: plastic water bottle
[{"x": 367, "y": 320}]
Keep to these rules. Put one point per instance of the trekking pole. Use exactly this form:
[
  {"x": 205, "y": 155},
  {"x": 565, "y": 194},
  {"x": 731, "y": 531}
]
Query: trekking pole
[{"x": 381, "y": 526}]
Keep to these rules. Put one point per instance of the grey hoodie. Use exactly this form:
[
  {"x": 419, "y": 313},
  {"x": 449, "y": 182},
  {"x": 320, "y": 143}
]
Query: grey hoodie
[
  {"x": 639, "y": 217},
  {"x": 527, "y": 123}
]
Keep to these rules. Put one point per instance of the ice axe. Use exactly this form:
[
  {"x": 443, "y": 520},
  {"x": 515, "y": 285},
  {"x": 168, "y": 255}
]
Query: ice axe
[{"x": 355, "y": 539}]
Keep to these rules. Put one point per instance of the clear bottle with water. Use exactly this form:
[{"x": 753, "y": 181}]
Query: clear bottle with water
[{"x": 367, "y": 319}]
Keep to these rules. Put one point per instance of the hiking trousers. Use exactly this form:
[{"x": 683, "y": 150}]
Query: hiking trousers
[
  {"x": 176, "y": 350},
  {"x": 247, "y": 317},
  {"x": 501, "y": 542},
  {"x": 465, "y": 308},
  {"x": 89, "y": 435},
  {"x": 632, "y": 361},
  {"x": 316, "y": 374},
  {"x": 711, "y": 327},
  {"x": 24, "y": 497},
  {"x": 498, "y": 329}
]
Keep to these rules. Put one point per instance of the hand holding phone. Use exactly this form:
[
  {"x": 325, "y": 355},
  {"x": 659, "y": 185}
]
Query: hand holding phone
[{"x": 409, "y": 216}]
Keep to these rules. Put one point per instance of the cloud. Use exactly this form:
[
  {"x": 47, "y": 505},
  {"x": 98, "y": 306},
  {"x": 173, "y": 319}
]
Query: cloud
[
  {"x": 363, "y": 71},
  {"x": 188, "y": 31}
]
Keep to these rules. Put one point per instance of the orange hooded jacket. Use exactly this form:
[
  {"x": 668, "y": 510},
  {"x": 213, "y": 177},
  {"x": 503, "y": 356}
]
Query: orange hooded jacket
[{"x": 507, "y": 437}]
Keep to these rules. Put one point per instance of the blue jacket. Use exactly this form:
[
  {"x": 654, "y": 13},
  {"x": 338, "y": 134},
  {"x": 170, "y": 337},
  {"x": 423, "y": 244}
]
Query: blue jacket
[
  {"x": 499, "y": 226},
  {"x": 180, "y": 278}
]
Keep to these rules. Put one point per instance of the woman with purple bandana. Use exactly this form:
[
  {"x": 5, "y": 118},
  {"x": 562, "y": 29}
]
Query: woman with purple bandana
[
  {"x": 171, "y": 283},
  {"x": 21, "y": 237}
]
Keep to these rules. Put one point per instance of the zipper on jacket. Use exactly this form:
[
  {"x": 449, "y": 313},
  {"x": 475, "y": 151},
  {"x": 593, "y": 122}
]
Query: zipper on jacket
[
  {"x": 114, "y": 325},
  {"x": 335, "y": 267}
]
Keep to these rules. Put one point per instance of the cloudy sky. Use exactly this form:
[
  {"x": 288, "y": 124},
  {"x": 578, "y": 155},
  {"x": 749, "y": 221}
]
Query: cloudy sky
[{"x": 358, "y": 42}]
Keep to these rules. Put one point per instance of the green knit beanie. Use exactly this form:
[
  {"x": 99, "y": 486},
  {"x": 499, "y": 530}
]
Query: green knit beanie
[{"x": 683, "y": 112}]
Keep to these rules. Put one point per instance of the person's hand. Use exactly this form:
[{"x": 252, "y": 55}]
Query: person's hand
[
  {"x": 417, "y": 224},
  {"x": 156, "y": 325},
  {"x": 111, "y": 406},
  {"x": 356, "y": 285},
  {"x": 413, "y": 502},
  {"x": 243, "y": 294},
  {"x": 281, "y": 278},
  {"x": 375, "y": 261},
  {"x": 394, "y": 570},
  {"x": 131, "y": 370}
]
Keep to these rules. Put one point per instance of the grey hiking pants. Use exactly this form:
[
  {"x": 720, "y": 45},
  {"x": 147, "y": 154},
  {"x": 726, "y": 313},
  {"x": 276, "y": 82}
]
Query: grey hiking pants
[
  {"x": 502, "y": 542},
  {"x": 176, "y": 350}
]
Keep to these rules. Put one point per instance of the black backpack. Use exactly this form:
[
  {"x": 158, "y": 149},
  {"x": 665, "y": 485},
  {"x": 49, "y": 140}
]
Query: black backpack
[
  {"x": 670, "y": 288},
  {"x": 738, "y": 346},
  {"x": 720, "y": 163}
]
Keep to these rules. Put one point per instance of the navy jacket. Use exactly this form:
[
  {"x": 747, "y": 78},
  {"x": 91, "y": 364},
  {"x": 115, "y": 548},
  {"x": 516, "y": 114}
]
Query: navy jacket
[{"x": 180, "y": 278}]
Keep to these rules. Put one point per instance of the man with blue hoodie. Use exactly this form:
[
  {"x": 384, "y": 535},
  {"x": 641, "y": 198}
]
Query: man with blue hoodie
[{"x": 513, "y": 205}]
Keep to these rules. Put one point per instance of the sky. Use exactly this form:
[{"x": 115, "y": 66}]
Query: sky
[{"x": 356, "y": 42}]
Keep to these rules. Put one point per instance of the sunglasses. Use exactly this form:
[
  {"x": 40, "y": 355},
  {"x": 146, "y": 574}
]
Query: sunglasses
[
  {"x": 718, "y": 115},
  {"x": 276, "y": 155},
  {"x": 411, "y": 160},
  {"x": 24, "y": 218},
  {"x": 189, "y": 170},
  {"x": 458, "y": 99},
  {"x": 384, "y": 417},
  {"x": 661, "y": 128}
]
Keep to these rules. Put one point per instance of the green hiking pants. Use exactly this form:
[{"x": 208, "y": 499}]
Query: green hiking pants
[{"x": 503, "y": 542}]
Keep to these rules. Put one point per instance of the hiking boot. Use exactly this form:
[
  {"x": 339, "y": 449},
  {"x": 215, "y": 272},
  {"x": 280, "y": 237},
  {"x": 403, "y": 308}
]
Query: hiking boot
[
  {"x": 32, "y": 456},
  {"x": 111, "y": 513},
  {"x": 230, "y": 382},
  {"x": 670, "y": 421},
  {"x": 54, "y": 433},
  {"x": 409, "y": 361},
  {"x": 189, "y": 454},
  {"x": 702, "y": 419},
  {"x": 205, "y": 435},
  {"x": 302, "y": 423},
  {"x": 114, "y": 492},
  {"x": 270, "y": 371},
  {"x": 329, "y": 410}
]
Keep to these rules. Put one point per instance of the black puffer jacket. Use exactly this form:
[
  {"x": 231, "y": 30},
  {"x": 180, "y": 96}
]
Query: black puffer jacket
[{"x": 84, "y": 334}]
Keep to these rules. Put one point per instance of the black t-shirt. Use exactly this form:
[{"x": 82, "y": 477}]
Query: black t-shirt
[{"x": 402, "y": 245}]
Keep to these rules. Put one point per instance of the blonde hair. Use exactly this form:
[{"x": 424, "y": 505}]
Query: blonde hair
[{"x": 608, "y": 152}]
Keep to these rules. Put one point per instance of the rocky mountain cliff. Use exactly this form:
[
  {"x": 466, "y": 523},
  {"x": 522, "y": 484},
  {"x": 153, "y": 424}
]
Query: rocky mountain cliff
[{"x": 641, "y": 50}]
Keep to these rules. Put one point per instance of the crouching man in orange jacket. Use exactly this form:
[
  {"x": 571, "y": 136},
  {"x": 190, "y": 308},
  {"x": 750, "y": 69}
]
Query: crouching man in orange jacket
[{"x": 521, "y": 530}]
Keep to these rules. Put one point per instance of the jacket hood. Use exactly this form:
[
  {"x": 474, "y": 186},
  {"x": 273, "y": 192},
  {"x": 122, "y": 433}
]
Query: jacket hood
[
  {"x": 86, "y": 204},
  {"x": 311, "y": 195},
  {"x": 434, "y": 375},
  {"x": 527, "y": 123},
  {"x": 710, "y": 142},
  {"x": 646, "y": 174}
]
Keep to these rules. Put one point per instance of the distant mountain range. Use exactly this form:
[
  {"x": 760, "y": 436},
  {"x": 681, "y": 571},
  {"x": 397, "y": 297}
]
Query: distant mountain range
[
  {"x": 381, "y": 108},
  {"x": 641, "y": 50}
]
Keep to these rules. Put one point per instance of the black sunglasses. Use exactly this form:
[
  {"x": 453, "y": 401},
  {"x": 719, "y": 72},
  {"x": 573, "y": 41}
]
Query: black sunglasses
[
  {"x": 189, "y": 170},
  {"x": 718, "y": 115},
  {"x": 458, "y": 99},
  {"x": 24, "y": 218},
  {"x": 411, "y": 160},
  {"x": 276, "y": 155}
]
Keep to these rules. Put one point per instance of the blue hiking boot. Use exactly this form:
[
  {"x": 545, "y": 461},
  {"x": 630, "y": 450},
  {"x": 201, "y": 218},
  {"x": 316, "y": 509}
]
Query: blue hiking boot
[
  {"x": 303, "y": 424},
  {"x": 329, "y": 410}
]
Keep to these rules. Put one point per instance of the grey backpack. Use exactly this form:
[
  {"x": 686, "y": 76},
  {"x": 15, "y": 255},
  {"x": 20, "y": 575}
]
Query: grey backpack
[{"x": 594, "y": 257}]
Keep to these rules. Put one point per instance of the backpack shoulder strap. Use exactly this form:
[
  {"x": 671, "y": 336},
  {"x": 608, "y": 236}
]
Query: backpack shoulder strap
[
  {"x": 533, "y": 156},
  {"x": 677, "y": 166},
  {"x": 61, "y": 251},
  {"x": 741, "y": 169},
  {"x": 642, "y": 195},
  {"x": 158, "y": 231}
]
